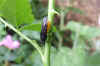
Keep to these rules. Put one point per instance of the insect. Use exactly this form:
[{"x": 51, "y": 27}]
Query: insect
[{"x": 44, "y": 30}]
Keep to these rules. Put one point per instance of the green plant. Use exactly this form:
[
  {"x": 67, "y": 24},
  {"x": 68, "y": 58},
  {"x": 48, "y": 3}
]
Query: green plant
[{"x": 19, "y": 18}]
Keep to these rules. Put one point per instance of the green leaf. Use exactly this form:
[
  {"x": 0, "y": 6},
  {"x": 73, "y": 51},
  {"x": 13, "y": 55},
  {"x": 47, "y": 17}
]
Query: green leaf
[
  {"x": 65, "y": 60},
  {"x": 70, "y": 57},
  {"x": 34, "y": 27},
  {"x": 2, "y": 3},
  {"x": 2, "y": 32},
  {"x": 63, "y": 57},
  {"x": 22, "y": 53},
  {"x": 32, "y": 34},
  {"x": 94, "y": 59},
  {"x": 54, "y": 29},
  {"x": 17, "y": 12},
  {"x": 85, "y": 31},
  {"x": 17, "y": 64},
  {"x": 35, "y": 58}
]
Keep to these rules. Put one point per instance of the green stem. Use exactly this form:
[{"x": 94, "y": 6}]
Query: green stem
[
  {"x": 51, "y": 12},
  {"x": 76, "y": 38},
  {"x": 25, "y": 37},
  {"x": 62, "y": 21},
  {"x": 47, "y": 54}
]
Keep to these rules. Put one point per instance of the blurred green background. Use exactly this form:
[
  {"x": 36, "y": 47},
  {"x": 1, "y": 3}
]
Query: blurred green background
[{"x": 74, "y": 41}]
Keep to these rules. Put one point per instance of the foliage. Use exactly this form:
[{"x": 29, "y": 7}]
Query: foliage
[
  {"x": 17, "y": 12},
  {"x": 83, "y": 30},
  {"x": 2, "y": 32},
  {"x": 26, "y": 16},
  {"x": 78, "y": 56}
]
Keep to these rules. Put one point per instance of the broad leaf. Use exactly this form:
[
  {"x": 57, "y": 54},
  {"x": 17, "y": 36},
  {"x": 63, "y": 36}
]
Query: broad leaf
[
  {"x": 32, "y": 34},
  {"x": 85, "y": 31},
  {"x": 2, "y": 3},
  {"x": 17, "y": 12},
  {"x": 70, "y": 57},
  {"x": 34, "y": 27},
  {"x": 94, "y": 59}
]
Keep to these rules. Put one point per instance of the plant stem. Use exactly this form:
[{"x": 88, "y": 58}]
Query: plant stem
[
  {"x": 76, "y": 38},
  {"x": 33, "y": 42},
  {"x": 47, "y": 54},
  {"x": 46, "y": 61},
  {"x": 51, "y": 10},
  {"x": 62, "y": 21}
]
